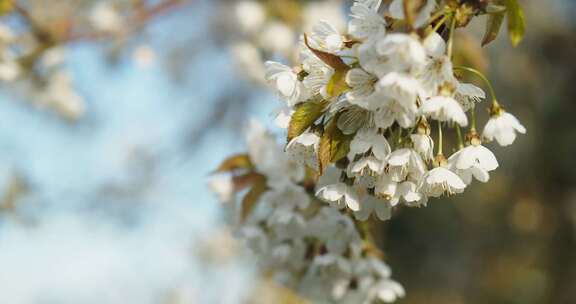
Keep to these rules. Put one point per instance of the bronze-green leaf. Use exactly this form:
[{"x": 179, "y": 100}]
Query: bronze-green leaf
[
  {"x": 493, "y": 26},
  {"x": 337, "y": 84},
  {"x": 235, "y": 162},
  {"x": 334, "y": 145},
  {"x": 516, "y": 22},
  {"x": 251, "y": 198},
  {"x": 331, "y": 60},
  {"x": 305, "y": 115}
]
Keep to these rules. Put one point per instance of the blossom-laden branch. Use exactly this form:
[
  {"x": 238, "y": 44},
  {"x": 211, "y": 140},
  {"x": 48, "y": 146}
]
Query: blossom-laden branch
[
  {"x": 360, "y": 106},
  {"x": 397, "y": 79},
  {"x": 34, "y": 66}
]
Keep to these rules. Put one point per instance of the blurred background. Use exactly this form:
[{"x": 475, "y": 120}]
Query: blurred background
[{"x": 114, "y": 113}]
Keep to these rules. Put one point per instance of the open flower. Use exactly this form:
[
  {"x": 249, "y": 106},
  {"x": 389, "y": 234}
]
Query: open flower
[
  {"x": 223, "y": 187},
  {"x": 340, "y": 196},
  {"x": 438, "y": 70},
  {"x": 366, "y": 139},
  {"x": 503, "y": 126},
  {"x": 393, "y": 192},
  {"x": 468, "y": 95},
  {"x": 370, "y": 205},
  {"x": 473, "y": 161},
  {"x": 361, "y": 85},
  {"x": 390, "y": 111},
  {"x": 327, "y": 38},
  {"x": 401, "y": 87},
  {"x": 404, "y": 53},
  {"x": 444, "y": 108},
  {"x": 424, "y": 145},
  {"x": 365, "y": 19},
  {"x": 303, "y": 149},
  {"x": 286, "y": 82},
  {"x": 439, "y": 181},
  {"x": 404, "y": 163}
]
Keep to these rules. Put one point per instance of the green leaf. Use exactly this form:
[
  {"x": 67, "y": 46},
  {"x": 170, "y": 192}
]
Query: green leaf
[
  {"x": 305, "y": 115},
  {"x": 516, "y": 22},
  {"x": 334, "y": 145},
  {"x": 236, "y": 162},
  {"x": 337, "y": 84},
  {"x": 251, "y": 198},
  {"x": 493, "y": 27}
]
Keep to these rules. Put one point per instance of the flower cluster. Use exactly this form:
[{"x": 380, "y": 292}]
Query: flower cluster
[
  {"x": 263, "y": 29},
  {"x": 311, "y": 248},
  {"x": 366, "y": 102},
  {"x": 33, "y": 51}
]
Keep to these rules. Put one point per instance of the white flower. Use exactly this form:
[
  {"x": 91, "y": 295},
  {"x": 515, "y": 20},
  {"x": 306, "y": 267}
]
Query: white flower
[
  {"x": 397, "y": 11},
  {"x": 325, "y": 37},
  {"x": 438, "y": 70},
  {"x": 468, "y": 95},
  {"x": 250, "y": 14},
  {"x": 403, "y": 163},
  {"x": 439, "y": 181},
  {"x": 434, "y": 45},
  {"x": 365, "y": 20},
  {"x": 340, "y": 196},
  {"x": 391, "y": 111},
  {"x": 366, "y": 170},
  {"x": 290, "y": 197},
  {"x": 424, "y": 145},
  {"x": 104, "y": 17},
  {"x": 473, "y": 160},
  {"x": 255, "y": 239},
  {"x": 269, "y": 159},
  {"x": 319, "y": 73},
  {"x": 404, "y": 53},
  {"x": 401, "y": 87},
  {"x": 283, "y": 117},
  {"x": 370, "y": 163},
  {"x": 444, "y": 108},
  {"x": 366, "y": 139},
  {"x": 353, "y": 119},
  {"x": 370, "y": 205},
  {"x": 337, "y": 230},
  {"x": 503, "y": 127},
  {"x": 303, "y": 149},
  {"x": 223, "y": 187},
  {"x": 276, "y": 37},
  {"x": 393, "y": 191},
  {"x": 387, "y": 291},
  {"x": 369, "y": 58},
  {"x": 286, "y": 82},
  {"x": 362, "y": 87}
]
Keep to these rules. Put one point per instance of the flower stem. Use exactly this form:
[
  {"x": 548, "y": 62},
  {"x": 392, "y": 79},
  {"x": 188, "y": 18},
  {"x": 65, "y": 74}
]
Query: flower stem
[
  {"x": 451, "y": 39},
  {"x": 440, "y": 138},
  {"x": 459, "y": 135},
  {"x": 484, "y": 79},
  {"x": 439, "y": 24},
  {"x": 473, "y": 118}
]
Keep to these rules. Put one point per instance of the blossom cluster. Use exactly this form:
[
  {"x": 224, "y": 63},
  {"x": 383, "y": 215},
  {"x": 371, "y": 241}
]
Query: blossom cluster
[
  {"x": 314, "y": 249},
  {"x": 366, "y": 102},
  {"x": 33, "y": 53},
  {"x": 263, "y": 29}
]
